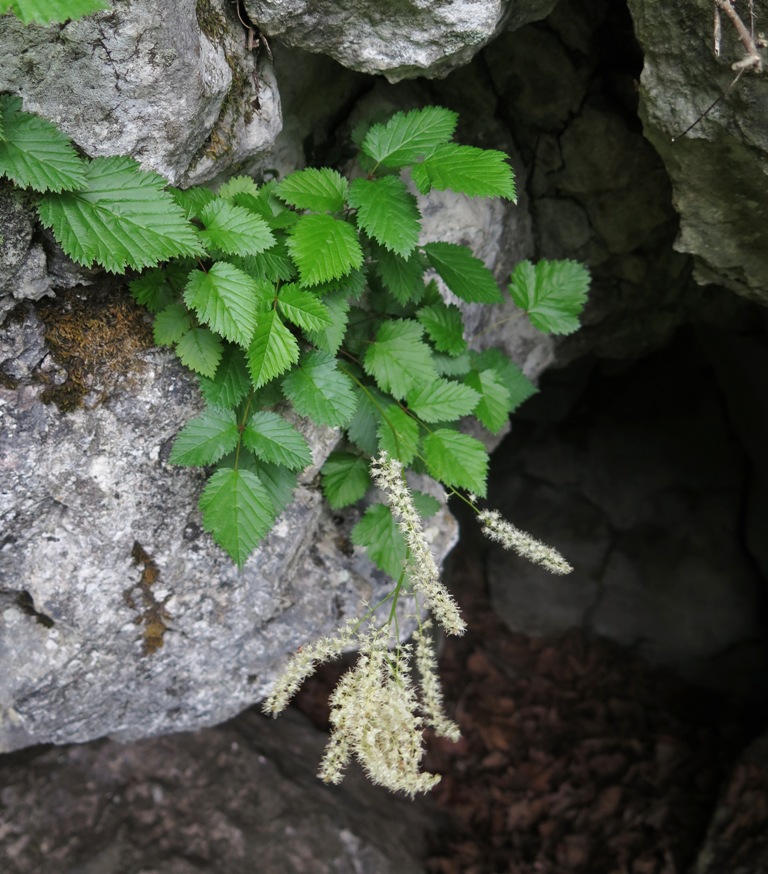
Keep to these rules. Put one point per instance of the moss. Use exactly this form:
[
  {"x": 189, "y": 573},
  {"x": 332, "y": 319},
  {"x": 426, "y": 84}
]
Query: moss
[
  {"x": 153, "y": 616},
  {"x": 94, "y": 335}
]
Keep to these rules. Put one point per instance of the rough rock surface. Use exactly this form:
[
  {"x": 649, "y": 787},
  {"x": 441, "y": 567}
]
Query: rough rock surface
[
  {"x": 401, "y": 40},
  {"x": 171, "y": 84},
  {"x": 119, "y": 615},
  {"x": 717, "y": 168},
  {"x": 234, "y": 800}
]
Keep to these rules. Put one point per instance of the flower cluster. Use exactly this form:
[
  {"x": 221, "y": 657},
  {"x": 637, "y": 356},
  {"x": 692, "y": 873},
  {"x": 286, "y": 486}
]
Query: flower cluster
[{"x": 523, "y": 544}]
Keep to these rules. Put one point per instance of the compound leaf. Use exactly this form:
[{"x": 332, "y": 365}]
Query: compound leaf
[
  {"x": 466, "y": 276},
  {"x": 206, "y": 439},
  {"x": 456, "y": 459},
  {"x": 320, "y": 190},
  {"x": 234, "y": 229},
  {"x": 518, "y": 385},
  {"x": 278, "y": 481},
  {"x": 406, "y": 137},
  {"x": 273, "y": 350},
  {"x": 237, "y": 511},
  {"x": 445, "y": 327},
  {"x": 272, "y": 438},
  {"x": 303, "y": 308},
  {"x": 495, "y": 403},
  {"x": 442, "y": 401},
  {"x": 388, "y": 212},
  {"x": 377, "y": 531},
  {"x": 34, "y": 153},
  {"x": 318, "y": 390},
  {"x": 200, "y": 350},
  {"x": 226, "y": 299},
  {"x": 398, "y": 434},
  {"x": 345, "y": 479},
  {"x": 466, "y": 169},
  {"x": 399, "y": 359},
  {"x": 323, "y": 248},
  {"x": 553, "y": 293},
  {"x": 231, "y": 382},
  {"x": 121, "y": 218}
]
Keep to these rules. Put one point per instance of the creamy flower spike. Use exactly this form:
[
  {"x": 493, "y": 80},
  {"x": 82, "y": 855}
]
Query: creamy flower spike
[{"x": 523, "y": 544}]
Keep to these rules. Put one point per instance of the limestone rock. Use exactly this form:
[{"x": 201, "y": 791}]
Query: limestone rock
[
  {"x": 717, "y": 168},
  {"x": 403, "y": 40},
  {"x": 171, "y": 84}
]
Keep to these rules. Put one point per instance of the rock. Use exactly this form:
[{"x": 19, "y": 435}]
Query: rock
[
  {"x": 232, "y": 800},
  {"x": 401, "y": 41},
  {"x": 118, "y": 615},
  {"x": 171, "y": 84},
  {"x": 717, "y": 167}
]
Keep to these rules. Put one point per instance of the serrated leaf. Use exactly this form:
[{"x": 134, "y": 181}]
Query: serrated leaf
[
  {"x": 122, "y": 218},
  {"x": 553, "y": 293},
  {"x": 377, "y": 531},
  {"x": 399, "y": 359},
  {"x": 444, "y": 326},
  {"x": 345, "y": 479},
  {"x": 352, "y": 285},
  {"x": 48, "y": 11},
  {"x": 318, "y": 390},
  {"x": 466, "y": 169},
  {"x": 466, "y": 276},
  {"x": 152, "y": 290},
  {"x": 192, "y": 200},
  {"x": 456, "y": 459},
  {"x": 398, "y": 434},
  {"x": 402, "y": 277},
  {"x": 495, "y": 403},
  {"x": 363, "y": 427},
  {"x": 273, "y": 350},
  {"x": 171, "y": 324},
  {"x": 406, "y": 137},
  {"x": 279, "y": 483},
  {"x": 324, "y": 248},
  {"x": 518, "y": 385},
  {"x": 226, "y": 299},
  {"x": 388, "y": 212},
  {"x": 448, "y": 365},
  {"x": 239, "y": 185},
  {"x": 322, "y": 190},
  {"x": 272, "y": 438},
  {"x": 303, "y": 308},
  {"x": 206, "y": 439},
  {"x": 237, "y": 511},
  {"x": 35, "y": 154},
  {"x": 442, "y": 401},
  {"x": 231, "y": 382},
  {"x": 234, "y": 229},
  {"x": 200, "y": 350},
  {"x": 425, "y": 504},
  {"x": 272, "y": 266},
  {"x": 330, "y": 338}
]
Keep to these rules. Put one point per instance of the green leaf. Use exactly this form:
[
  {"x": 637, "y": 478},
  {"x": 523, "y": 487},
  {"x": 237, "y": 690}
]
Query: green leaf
[
  {"x": 200, "y": 350},
  {"x": 273, "y": 350},
  {"x": 322, "y": 190},
  {"x": 303, "y": 308},
  {"x": 363, "y": 427},
  {"x": 466, "y": 169},
  {"x": 279, "y": 483},
  {"x": 239, "y": 185},
  {"x": 317, "y": 390},
  {"x": 495, "y": 402},
  {"x": 345, "y": 479},
  {"x": 398, "y": 434},
  {"x": 234, "y": 230},
  {"x": 47, "y": 11},
  {"x": 406, "y": 137},
  {"x": 330, "y": 338},
  {"x": 466, "y": 276},
  {"x": 448, "y": 365},
  {"x": 171, "y": 324},
  {"x": 442, "y": 401},
  {"x": 403, "y": 277},
  {"x": 272, "y": 438},
  {"x": 456, "y": 460},
  {"x": 518, "y": 385},
  {"x": 445, "y": 327},
  {"x": 352, "y": 285},
  {"x": 553, "y": 293},
  {"x": 272, "y": 266},
  {"x": 34, "y": 153},
  {"x": 226, "y": 299},
  {"x": 388, "y": 212},
  {"x": 231, "y": 382},
  {"x": 377, "y": 531},
  {"x": 399, "y": 359},
  {"x": 425, "y": 504},
  {"x": 122, "y": 218},
  {"x": 237, "y": 511},
  {"x": 324, "y": 248},
  {"x": 206, "y": 439},
  {"x": 152, "y": 290},
  {"x": 192, "y": 200}
]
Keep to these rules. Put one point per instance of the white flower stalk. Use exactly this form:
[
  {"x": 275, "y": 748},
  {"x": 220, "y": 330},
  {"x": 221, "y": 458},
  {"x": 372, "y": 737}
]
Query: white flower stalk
[
  {"x": 387, "y": 473},
  {"x": 523, "y": 544},
  {"x": 304, "y": 662},
  {"x": 374, "y": 717},
  {"x": 431, "y": 691}
]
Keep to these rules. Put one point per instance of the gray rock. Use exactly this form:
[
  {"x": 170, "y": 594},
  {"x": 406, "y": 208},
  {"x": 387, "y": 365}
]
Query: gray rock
[
  {"x": 118, "y": 615},
  {"x": 403, "y": 40},
  {"x": 232, "y": 800},
  {"x": 717, "y": 168},
  {"x": 173, "y": 85}
]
